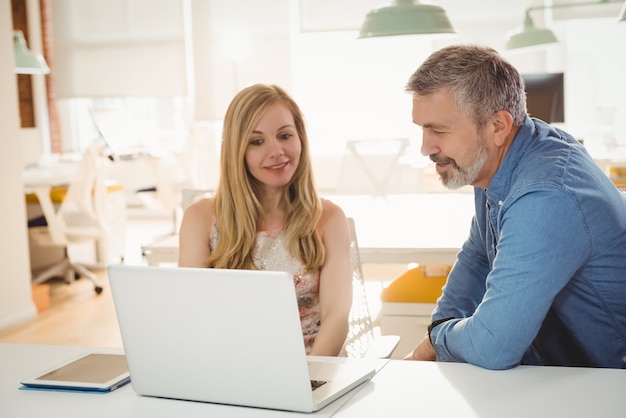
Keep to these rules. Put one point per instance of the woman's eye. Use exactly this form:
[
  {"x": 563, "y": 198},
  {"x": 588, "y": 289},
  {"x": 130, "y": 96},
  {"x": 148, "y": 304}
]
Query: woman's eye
[
  {"x": 256, "y": 141},
  {"x": 286, "y": 136}
]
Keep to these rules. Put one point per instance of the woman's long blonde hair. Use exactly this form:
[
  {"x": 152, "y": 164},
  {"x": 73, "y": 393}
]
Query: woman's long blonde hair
[{"x": 237, "y": 206}]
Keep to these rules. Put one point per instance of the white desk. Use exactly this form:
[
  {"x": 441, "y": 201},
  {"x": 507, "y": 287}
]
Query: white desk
[
  {"x": 400, "y": 389},
  {"x": 18, "y": 361},
  {"x": 165, "y": 250},
  {"x": 398, "y": 229},
  {"x": 425, "y": 389}
]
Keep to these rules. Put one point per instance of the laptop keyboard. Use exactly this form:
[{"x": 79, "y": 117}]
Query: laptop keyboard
[{"x": 317, "y": 383}]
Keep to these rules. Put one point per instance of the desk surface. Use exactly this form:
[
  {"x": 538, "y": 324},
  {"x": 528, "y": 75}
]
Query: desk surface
[
  {"x": 18, "y": 361},
  {"x": 421, "y": 220},
  {"x": 401, "y": 388},
  {"x": 51, "y": 175},
  {"x": 422, "y": 228},
  {"x": 428, "y": 389}
]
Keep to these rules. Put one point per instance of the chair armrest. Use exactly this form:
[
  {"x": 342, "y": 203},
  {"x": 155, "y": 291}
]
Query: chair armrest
[{"x": 382, "y": 346}]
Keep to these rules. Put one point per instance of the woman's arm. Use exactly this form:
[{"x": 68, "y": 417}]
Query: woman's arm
[
  {"x": 335, "y": 282},
  {"x": 194, "y": 232}
]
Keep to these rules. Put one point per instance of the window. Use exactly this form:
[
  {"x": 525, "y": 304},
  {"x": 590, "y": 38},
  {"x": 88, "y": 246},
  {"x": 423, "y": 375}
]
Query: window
[{"x": 154, "y": 124}]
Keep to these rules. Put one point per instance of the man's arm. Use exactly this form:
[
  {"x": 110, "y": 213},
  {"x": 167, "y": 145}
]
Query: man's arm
[
  {"x": 540, "y": 244},
  {"x": 424, "y": 351}
]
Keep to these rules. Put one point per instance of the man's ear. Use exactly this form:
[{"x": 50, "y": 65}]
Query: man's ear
[{"x": 502, "y": 125}]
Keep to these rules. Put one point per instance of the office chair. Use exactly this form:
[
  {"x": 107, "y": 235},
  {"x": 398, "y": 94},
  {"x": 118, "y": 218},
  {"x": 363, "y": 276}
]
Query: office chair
[
  {"x": 79, "y": 218},
  {"x": 361, "y": 341}
]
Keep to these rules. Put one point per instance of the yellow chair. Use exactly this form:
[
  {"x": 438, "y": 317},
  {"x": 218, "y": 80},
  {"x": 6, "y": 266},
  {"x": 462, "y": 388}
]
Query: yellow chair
[
  {"x": 417, "y": 285},
  {"x": 618, "y": 175},
  {"x": 57, "y": 194},
  {"x": 408, "y": 302}
]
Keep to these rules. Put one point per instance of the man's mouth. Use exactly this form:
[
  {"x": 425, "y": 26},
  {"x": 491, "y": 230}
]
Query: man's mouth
[{"x": 441, "y": 161}]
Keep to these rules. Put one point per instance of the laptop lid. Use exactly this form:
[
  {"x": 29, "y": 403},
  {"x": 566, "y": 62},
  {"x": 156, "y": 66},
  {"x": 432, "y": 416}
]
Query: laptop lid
[
  {"x": 121, "y": 135},
  {"x": 222, "y": 336}
]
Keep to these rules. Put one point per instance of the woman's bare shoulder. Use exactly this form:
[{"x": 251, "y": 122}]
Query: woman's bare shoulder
[
  {"x": 202, "y": 204},
  {"x": 331, "y": 212},
  {"x": 331, "y": 207},
  {"x": 201, "y": 209}
]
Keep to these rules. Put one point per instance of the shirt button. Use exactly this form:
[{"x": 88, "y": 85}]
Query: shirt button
[{"x": 500, "y": 202}]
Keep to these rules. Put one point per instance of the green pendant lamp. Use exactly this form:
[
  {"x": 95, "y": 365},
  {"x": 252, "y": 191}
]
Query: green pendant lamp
[
  {"x": 530, "y": 35},
  {"x": 406, "y": 17},
  {"x": 26, "y": 61}
]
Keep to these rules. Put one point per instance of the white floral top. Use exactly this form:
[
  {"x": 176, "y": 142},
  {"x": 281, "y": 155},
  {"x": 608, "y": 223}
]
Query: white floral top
[{"x": 270, "y": 253}]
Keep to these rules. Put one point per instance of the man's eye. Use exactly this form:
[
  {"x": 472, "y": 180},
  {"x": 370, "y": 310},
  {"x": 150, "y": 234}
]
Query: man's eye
[{"x": 439, "y": 131}]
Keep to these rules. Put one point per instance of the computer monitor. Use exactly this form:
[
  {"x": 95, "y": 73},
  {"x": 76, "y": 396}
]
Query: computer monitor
[{"x": 545, "y": 96}]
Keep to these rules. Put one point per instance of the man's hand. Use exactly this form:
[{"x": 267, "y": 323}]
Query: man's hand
[{"x": 424, "y": 351}]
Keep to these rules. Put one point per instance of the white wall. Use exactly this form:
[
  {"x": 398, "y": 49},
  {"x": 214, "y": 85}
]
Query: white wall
[
  {"x": 113, "y": 48},
  {"x": 15, "y": 293},
  {"x": 235, "y": 44},
  {"x": 596, "y": 84},
  {"x": 352, "y": 89}
]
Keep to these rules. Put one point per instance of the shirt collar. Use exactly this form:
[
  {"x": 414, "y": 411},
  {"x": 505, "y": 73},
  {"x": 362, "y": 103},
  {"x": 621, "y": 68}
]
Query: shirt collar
[{"x": 500, "y": 183}]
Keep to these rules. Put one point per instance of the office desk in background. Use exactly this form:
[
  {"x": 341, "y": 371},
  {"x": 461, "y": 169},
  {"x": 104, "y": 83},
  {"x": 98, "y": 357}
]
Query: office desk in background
[
  {"x": 40, "y": 180},
  {"x": 400, "y": 389},
  {"x": 395, "y": 229}
]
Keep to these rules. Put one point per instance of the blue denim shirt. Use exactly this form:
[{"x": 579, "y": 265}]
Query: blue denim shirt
[{"x": 542, "y": 277}]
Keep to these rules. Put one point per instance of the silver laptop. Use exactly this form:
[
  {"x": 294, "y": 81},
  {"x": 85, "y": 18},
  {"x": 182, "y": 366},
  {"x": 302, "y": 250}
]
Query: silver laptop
[
  {"x": 120, "y": 133},
  {"x": 223, "y": 336}
]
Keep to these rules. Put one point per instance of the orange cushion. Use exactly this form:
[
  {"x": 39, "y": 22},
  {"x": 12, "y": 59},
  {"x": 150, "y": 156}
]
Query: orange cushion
[
  {"x": 57, "y": 193},
  {"x": 415, "y": 286}
]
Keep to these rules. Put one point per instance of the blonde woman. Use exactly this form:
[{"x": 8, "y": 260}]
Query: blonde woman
[{"x": 266, "y": 215}]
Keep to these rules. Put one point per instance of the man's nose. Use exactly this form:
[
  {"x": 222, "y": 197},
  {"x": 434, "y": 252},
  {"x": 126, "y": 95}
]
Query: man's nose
[{"x": 429, "y": 144}]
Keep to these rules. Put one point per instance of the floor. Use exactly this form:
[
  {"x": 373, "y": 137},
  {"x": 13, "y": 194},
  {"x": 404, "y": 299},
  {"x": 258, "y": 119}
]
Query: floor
[{"x": 77, "y": 316}]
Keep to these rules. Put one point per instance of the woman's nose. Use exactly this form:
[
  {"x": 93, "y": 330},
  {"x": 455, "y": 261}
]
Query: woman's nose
[{"x": 276, "y": 147}]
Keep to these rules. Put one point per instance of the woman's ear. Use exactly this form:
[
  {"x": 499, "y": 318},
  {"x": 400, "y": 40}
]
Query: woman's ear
[{"x": 502, "y": 127}]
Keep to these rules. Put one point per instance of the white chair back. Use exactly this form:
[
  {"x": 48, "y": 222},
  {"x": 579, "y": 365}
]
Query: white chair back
[
  {"x": 82, "y": 213},
  {"x": 360, "y": 334},
  {"x": 361, "y": 340}
]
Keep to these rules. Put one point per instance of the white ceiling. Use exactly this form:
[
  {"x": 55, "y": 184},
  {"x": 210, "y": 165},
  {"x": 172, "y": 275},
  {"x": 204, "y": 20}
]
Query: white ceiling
[
  {"x": 327, "y": 15},
  {"x": 349, "y": 14}
]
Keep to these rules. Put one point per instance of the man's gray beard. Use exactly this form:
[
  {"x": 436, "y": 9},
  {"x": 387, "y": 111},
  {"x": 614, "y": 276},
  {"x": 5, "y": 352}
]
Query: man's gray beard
[{"x": 460, "y": 177}]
